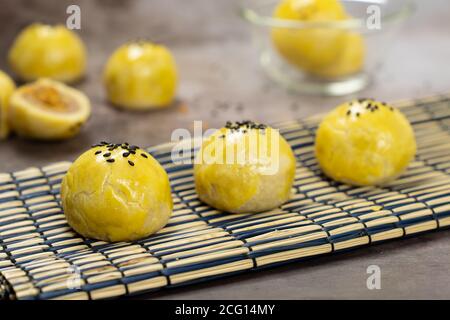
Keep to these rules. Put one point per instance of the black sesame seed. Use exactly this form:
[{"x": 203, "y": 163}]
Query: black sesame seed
[
  {"x": 144, "y": 155},
  {"x": 349, "y": 112},
  {"x": 110, "y": 160},
  {"x": 131, "y": 163},
  {"x": 98, "y": 152},
  {"x": 107, "y": 154},
  {"x": 357, "y": 114},
  {"x": 243, "y": 126},
  {"x": 126, "y": 154}
]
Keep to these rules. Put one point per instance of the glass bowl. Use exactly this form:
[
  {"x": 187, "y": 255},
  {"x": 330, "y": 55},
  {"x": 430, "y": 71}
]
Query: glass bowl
[{"x": 325, "y": 57}]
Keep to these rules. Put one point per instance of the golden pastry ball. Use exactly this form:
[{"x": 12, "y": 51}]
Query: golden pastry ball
[
  {"x": 140, "y": 76},
  {"x": 324, "y": 52},
  {"x": 116, "y": 192},
  {"x": 45, "y": 51},
  {"x": 364, "y": 142},
  {"x": 232, "y": 174},
  {"x": 7, "y": 87},
  {"x": 48, "y": 110}
]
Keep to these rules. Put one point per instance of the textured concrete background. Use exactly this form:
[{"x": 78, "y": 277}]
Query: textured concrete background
[{"x": 220, "y": 80}]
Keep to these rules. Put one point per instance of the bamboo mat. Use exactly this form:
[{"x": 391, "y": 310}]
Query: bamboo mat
[{"x": 42, "y": 258}]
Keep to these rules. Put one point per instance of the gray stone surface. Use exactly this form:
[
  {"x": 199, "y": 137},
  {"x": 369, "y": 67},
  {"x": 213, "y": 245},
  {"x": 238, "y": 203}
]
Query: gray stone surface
[{"x": 217, "y": 65}]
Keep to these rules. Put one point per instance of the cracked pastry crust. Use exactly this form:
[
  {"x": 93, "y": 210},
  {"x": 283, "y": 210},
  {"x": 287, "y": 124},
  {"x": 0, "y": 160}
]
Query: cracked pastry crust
[
  {"x": 364, "y": 142},
  {"x": 116, "y": 193}
]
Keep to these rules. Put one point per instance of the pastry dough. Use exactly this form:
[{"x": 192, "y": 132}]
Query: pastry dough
[
  {"x": 364, "y": 142},
  {"x": 141, "y": 75},
  {"x": 7, "y": 86},
  {"x": 48, "y": 110},
  {"x": 44, "y": 51},
  {"x": 244, "y": 180},
  {"x": 116, "y": 192},
  {"x": 325, "y": 52}
]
